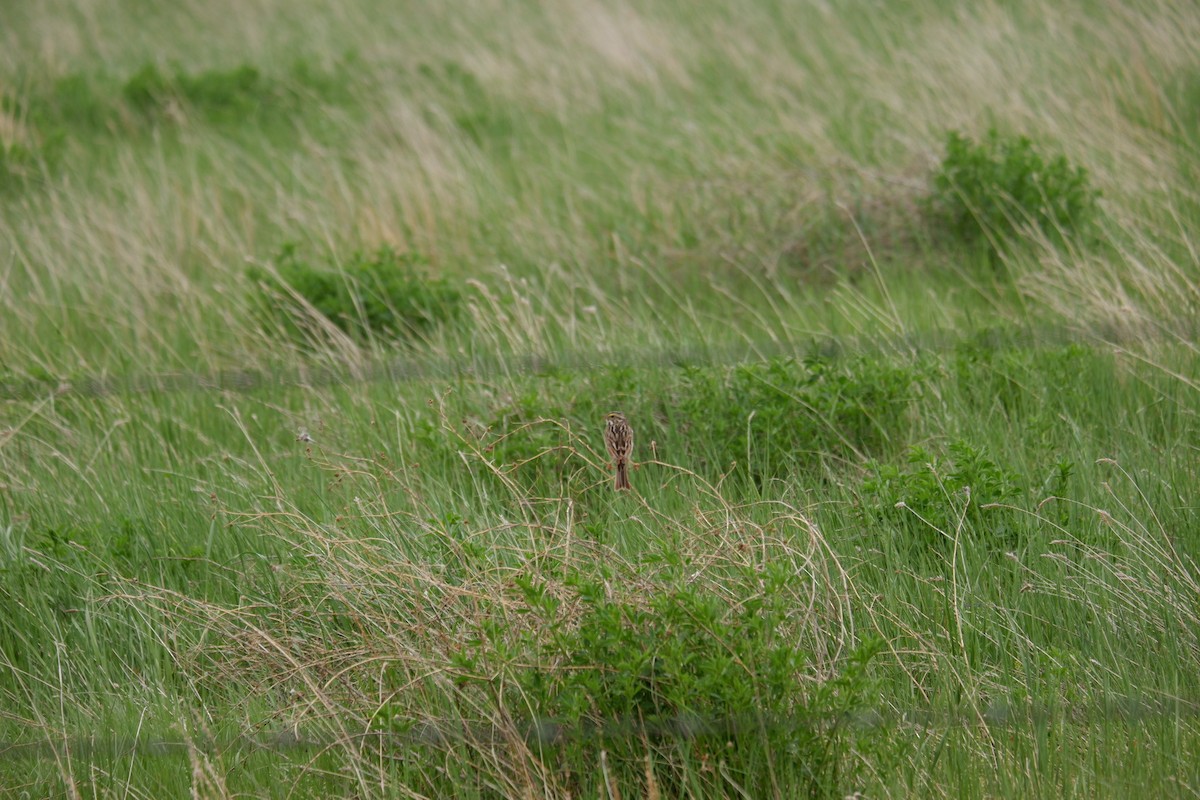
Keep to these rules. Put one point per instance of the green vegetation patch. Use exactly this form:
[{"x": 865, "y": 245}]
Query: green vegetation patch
[
  {"x": 992, "y": 189},
  {"x": 87, "y": 110},
  {"x": 385, "y": 294},
  {"x": 636, "y": 674},
  {"x": 237, "y": 95},
  {"x": 218, "y": 94},
  {"x": 773, "y": 417},
  {"x": 931, "y": 497}
]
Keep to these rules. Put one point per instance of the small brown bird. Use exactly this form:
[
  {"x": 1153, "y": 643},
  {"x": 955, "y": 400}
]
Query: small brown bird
[{"x": 618, "y": 438}]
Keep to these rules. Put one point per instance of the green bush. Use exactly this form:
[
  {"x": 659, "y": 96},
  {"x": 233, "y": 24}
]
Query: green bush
[
  {"x": 990, "y": 190},
  {"x": 775, "y": 416},
  {"x": 148, "y": 89},
  {"x": 237, "y": 95},
  {"x": 381, "y": 294},
  {"x": 680, "y": 665},
  {"x": 930, "y": 494},
  {"x": 86, "y": 110},
  {"x": 215, "y": 93}
]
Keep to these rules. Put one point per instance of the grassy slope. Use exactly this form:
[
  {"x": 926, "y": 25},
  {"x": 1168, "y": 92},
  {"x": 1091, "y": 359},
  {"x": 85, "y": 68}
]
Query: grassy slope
[{"x": 178, "y": 565}]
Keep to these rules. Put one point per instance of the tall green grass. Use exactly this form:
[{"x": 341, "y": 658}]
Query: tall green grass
[{"x": 913, "y": 511}]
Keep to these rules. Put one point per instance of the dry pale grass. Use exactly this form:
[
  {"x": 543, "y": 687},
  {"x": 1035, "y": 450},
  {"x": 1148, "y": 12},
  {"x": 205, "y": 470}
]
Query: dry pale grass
[{"x": 1139, "y": 293}]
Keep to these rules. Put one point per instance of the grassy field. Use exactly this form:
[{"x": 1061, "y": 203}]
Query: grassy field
[{"x": 310, "y": 316}]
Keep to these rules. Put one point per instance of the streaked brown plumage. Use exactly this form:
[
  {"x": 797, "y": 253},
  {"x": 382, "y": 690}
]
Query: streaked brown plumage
[{"x": 618, "y": 438}]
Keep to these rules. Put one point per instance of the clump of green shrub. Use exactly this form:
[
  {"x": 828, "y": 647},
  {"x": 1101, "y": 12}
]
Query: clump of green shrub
[
  {"x": 86, "y": 109},
  {"x": 775, "y": 416},
  {"x": 385, "y": 294},
  {"x": 218, "y": 93},
  {"x": 680, "y": 669},
  {"x": 232, "y": 95},
  {"x": 990, "y": 190},
  {"x": 931, "y": 493}
]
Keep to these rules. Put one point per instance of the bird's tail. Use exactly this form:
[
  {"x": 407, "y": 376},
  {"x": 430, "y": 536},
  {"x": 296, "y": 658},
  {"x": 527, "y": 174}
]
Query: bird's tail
[{"x": 622, "y": 476}]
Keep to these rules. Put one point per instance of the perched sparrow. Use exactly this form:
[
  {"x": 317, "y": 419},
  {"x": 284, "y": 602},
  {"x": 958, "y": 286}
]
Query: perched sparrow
[{"x": 618, "y": 438}]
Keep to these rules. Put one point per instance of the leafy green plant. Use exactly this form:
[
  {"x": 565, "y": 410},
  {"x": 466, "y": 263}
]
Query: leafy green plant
[
  {"x": 774, "y": 416},
  {"x": 990, "y": 190},
  {"x": 525, "y": 435},
  {"x": 88, "y": 108},
  {"x": 932, "y": 494},
  {"x": 148, "y": 89},
  {"x": 219, "y": 94},
  {"x": 87, "y": 104},
  {"x": 680, "y": 663},
  {"x": 380, "y": 294},
  {"x": 1041, "y": 390}
]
